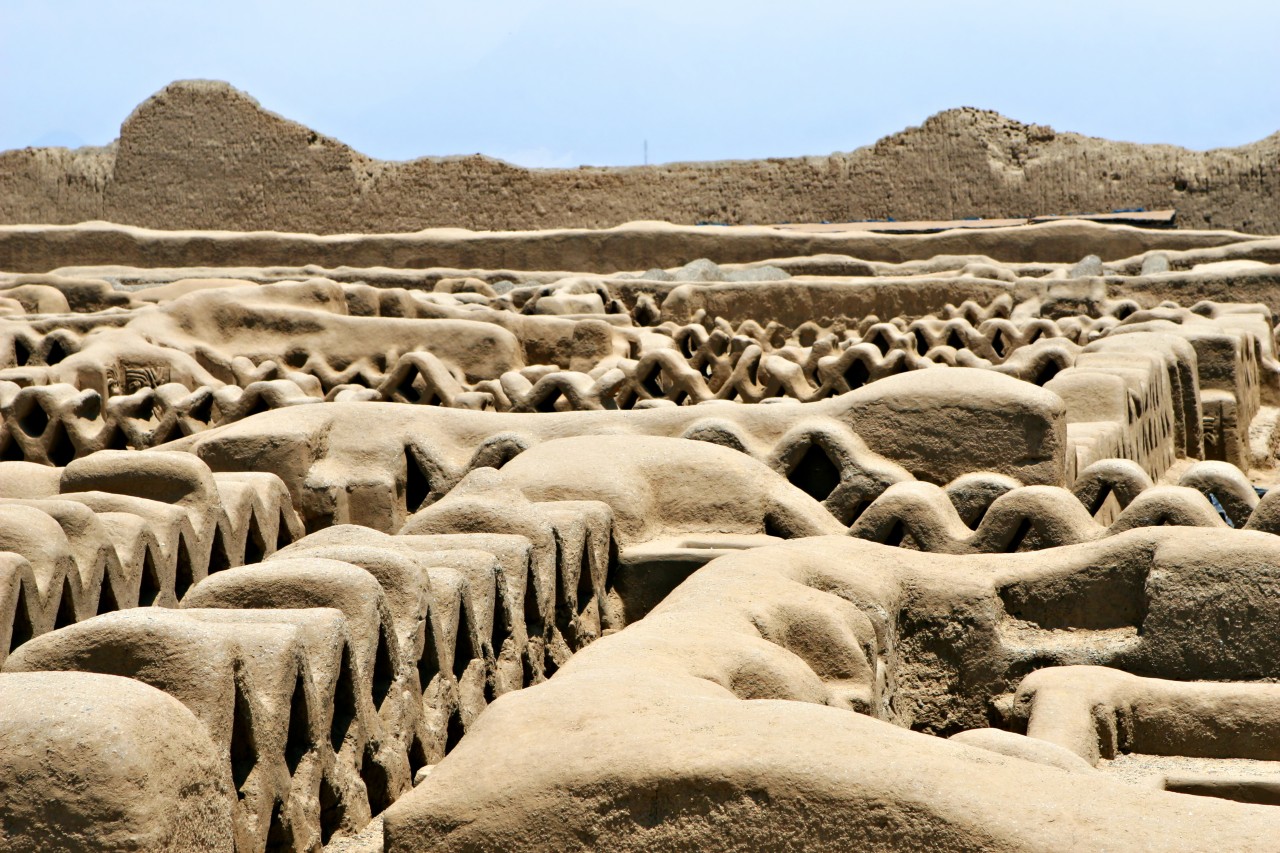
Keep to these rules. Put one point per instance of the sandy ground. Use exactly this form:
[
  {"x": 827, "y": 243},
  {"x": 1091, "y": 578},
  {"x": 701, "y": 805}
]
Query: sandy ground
[
  {"x": 1150, "y": 770},
  {"x": 368, "y": 840}
]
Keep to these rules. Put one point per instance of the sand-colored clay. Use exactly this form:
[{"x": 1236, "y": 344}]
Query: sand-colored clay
[
  {"x": 202, "y": 154},
  {"x": 649, "y": 538}
]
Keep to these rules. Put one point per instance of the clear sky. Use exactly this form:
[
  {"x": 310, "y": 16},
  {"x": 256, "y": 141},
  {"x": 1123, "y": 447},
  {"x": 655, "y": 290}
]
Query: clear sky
[{"x": 567, "y": 82}]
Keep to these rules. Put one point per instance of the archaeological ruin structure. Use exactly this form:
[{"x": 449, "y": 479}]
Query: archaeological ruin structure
[{"x": 644, "y": 537}]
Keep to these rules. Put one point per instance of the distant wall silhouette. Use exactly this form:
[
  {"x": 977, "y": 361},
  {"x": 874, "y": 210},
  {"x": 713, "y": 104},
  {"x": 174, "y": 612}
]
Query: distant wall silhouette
[{"x": 203, "y": 154}]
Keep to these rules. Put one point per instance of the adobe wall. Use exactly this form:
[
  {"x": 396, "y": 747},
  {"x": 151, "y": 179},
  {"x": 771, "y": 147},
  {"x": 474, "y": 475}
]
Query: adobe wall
[{"x": 203, "y": 155}]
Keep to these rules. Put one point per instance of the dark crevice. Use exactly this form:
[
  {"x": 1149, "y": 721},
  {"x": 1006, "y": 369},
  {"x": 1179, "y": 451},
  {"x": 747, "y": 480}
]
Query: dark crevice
[
  {"x": 1019, "y": 535},
  {"x": 548, "y": 403},
  {"x": 259, "y": 407},
  {"x": 464, "y": 649},
  {"x": 498, "y": 635},
  {"x": 185, "y": 567},
  {"x": 119, "y": 440},
  {"x": 1049, "y": 370},
  {"x": 454, "y": 731},
  {"x": 243, "y": 755},
  {"x": 298, "y": 741},
  {"x": 417, "y": 756},
  {"x": 283, "y": 537},
  {"x": 429, "y": 661},
  {"x": 219, "y": 559},
  {"x": 650, "y": 383},
  {"x": 344, "y": 702},
  {"x": 1103, "y": 493},
  {"x": 12, "y": 451},
  {"x": 856, "y": 375},
  {"x": 332, "y": 810},
  {"x": 773, "y": 528},
  {"x": 255, "y": 544},
  {"x": 564, "y": 611},
  {"x": 383, "y": 672},
  {"x": 815, "y": 474},
  {"x": 61, "y": 451},
  {"x": 146, "y": 410},
  {"x": 55, "y": 353},
  {"x": 279, "y": 839},
  {"x": 534, "y": 624},
  {"x": 897, "y": 533},
  {"x": 407, "y": 389},
  {"x": 35, "y": 420},
  {"x": 203, "y": 410},
  {"x": 66, "y": 607},
  {"x": 22, "y": 628},
  {"x": 377, "y": 782},
  {"x": 107, "y": 598},
  {"x": 183, "y": 574},
  {"x": 149, "y": 583},
  {"x": 417, "y": 485},
  {"x": 585, "y": 587}
]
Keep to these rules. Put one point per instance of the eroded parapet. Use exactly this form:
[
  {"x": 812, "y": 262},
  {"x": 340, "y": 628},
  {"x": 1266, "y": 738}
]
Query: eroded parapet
[
  {"x": 459, "y": 609},
  {"x": 56, "y": 424},
  {"x": 828, "y": 627},
  {"x": 250, "y": 685},
  {"x": 646, "y": 456},
  {"x": 329, "y": 674},
  {"x": 1122, "y": 405},
  {"x": 201, "y": 352},
  {"x": 618, "y": 521},
  {"x": 295, "y": 669},
  {"x": 989, "y": 513},
  {"x": 120, "y": 530},
  {"x": 880, "y": 500},
  {"x": 924, "y": 517},
  {"x": 1228, "y": 365},
  {"x": 37, "y": 248},
  {"x": 1205, "y": 738},
  {"x": 1098, "y": 713},
  {"x": 410, "y": 455}
]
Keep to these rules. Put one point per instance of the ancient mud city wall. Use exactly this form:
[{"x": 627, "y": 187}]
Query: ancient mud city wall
[
  {"x": 201, "y": 154},
  {"x": 655, "y": 537}
]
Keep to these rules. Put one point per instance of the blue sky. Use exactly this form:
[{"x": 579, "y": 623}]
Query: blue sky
[{"x": 567, "y": 82}]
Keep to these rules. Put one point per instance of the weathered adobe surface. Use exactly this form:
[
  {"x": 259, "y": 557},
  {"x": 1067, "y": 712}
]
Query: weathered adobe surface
[
  {"x": 205, "y": 155},
  {"x": 632, "y": 246}
]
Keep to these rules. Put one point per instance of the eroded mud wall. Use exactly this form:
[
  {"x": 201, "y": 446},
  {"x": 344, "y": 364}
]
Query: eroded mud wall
[{"x": 205, "y": 155}]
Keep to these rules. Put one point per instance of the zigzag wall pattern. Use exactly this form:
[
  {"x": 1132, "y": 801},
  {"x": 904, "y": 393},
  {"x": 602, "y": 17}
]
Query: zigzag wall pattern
[{"x": 464, "y": 558}]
